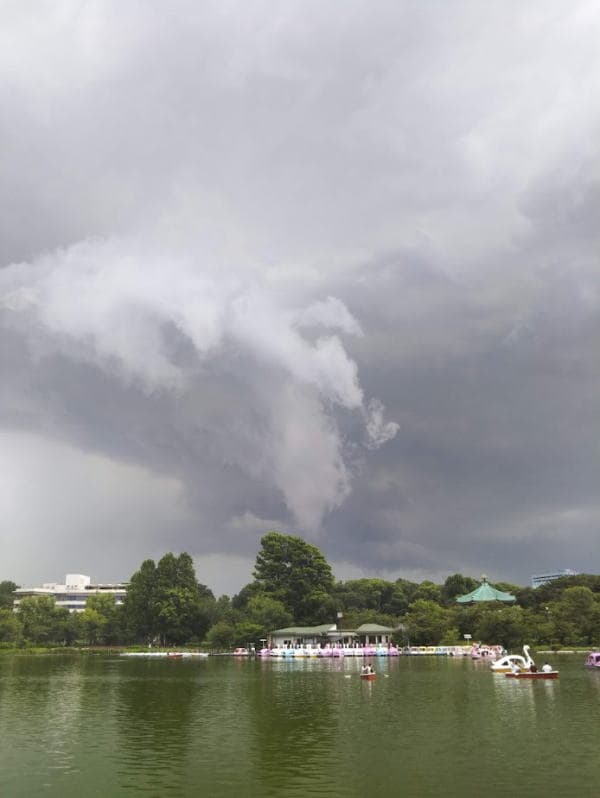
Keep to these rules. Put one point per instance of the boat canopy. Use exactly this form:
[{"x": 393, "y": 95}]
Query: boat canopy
[{"x": 485, "y": 592}]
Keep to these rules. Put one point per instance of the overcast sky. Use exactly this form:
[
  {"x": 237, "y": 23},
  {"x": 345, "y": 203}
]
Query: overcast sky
[{"x": 329, "y": 268}]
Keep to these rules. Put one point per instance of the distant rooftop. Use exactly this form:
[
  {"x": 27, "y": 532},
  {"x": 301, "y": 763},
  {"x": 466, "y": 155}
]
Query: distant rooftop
[
  {"x": 542, "y": 579},
  {"x": 74, "y": 582}
]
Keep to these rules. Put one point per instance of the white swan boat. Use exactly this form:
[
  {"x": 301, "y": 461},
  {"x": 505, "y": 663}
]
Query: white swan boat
[{"x": 507, "y": 663}]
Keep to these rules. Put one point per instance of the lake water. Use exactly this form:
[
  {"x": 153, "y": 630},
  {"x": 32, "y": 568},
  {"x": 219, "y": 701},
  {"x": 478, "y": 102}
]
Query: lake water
[{"x": 112, "y": 726}]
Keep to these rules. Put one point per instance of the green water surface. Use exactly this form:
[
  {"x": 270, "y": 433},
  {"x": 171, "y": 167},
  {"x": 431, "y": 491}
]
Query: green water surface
[{"x": 112, "y": 726}]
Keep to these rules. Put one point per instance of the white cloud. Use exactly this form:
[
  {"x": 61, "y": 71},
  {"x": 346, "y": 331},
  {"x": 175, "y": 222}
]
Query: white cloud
[{"x": 110, "y": 304}]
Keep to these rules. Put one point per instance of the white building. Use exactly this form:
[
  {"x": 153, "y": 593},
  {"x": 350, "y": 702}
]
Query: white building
[
  {"x": 74, "y": 593},
  {"x": 541, "y": 579}
]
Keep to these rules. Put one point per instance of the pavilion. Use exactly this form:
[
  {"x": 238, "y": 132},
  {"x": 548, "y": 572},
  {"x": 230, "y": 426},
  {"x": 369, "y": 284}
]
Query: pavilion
[{"x": 485, "y": 592}]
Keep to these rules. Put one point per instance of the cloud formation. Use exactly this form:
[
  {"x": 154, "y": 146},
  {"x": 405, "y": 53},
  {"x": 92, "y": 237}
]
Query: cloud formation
[
  {"x": 335, "y": 274},
  {"x": 159, "y": 322}
]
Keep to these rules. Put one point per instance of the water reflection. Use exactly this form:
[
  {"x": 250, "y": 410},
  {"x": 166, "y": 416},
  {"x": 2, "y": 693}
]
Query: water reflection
[
  {"x": 515, "y": 696},
  {"x": 62, "y": 716},
  {"x": 593, "y": 679},
  {"x": 526, "y": 703},
  {"x": 154, "y": 712},
  {"x": 296, "y": 717},
  {"x": 43, "y": 708}
]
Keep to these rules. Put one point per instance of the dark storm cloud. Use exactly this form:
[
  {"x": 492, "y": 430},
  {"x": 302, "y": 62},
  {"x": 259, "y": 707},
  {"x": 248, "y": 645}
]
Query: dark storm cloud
[{"x": 243, "y": 242}]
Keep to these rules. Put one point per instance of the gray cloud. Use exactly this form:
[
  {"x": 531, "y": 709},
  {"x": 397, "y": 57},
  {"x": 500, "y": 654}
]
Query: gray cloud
[{"x": 282, "y": 267}]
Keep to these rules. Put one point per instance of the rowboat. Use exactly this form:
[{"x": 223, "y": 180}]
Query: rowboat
[
  {"x": 533, "y": 675},
  {"x": 368, "y": 677}
]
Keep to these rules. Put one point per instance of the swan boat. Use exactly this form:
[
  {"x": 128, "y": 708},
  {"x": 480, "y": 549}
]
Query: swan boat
[
  {"x": 593, "y": 660},
  {"x": 505, "y": 664},
  {"x": 482, "y": 652}
]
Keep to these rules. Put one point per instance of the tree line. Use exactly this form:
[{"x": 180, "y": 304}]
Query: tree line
[{"x": 293, "y": 584}]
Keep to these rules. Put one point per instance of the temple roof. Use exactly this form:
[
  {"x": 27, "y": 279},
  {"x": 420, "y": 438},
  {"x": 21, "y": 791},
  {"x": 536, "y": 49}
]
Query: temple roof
[{"x": 485, "y": 592}]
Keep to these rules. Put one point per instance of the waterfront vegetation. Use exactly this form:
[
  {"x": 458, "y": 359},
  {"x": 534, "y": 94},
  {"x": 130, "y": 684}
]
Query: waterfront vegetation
[{"x": 294, "y": 584}]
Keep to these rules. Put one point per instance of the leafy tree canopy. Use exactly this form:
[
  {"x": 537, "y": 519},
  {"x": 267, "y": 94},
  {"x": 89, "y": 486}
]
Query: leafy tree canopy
[
  {"x": 296, "y": 573},
  {"x": 164, "y": 600},
  {"x": 428, "y": 591},
  {"x": 374, "y": 594},
  {"x": 7, "y": 594},
  {"x": 43, "y": 622},
  {"x": 11, "y": 629},
  {"x": 268, "y": 613},
  {"x": 426, "y": 622},
  {"x": 457, "y": 585}
]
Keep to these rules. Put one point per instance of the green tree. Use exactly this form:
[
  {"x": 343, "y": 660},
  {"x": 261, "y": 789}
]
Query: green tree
[
  {"x": 428, "y": 591},
  {"x": 221, "y": 636},
  {"x": 165, "y": 601},
  {"x": 526, "y": 597},
  {"x": 7, "y": 594},
  {"x": 91, "y": 626},
  {"x": 11, "y": 630},
  {"x": 112, "y": 615},
  {"x": 505, "y": 626},
  {"x": 140, "y": 603},
  {"x": 43, "y": 622},
  {"x": 241, "y": 599},
  {"x": 574, "y": 616},
  {"x": 399, "y": 600},
  {"x": 179, "y": 615},
  {"x": 267, "y": 613},
  {"x": 457, "y": 585},
  {"x": 451, "y": 637},
  {"x": 378, "y": 595},
  {"x": 247, "y": 633},
  {"x": 296, "y": 573},
  {"x": 426, "y": 622},
  {"x": 408, "y": 588},
  {"x": 173, "y": 571},
  {"x": 178, "y": 602}
]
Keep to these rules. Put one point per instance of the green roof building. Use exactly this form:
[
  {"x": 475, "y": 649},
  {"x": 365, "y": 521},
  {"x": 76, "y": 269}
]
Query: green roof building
[
  {"x": 485, "y": 592},
  {"x": 329, "y": 635}
]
